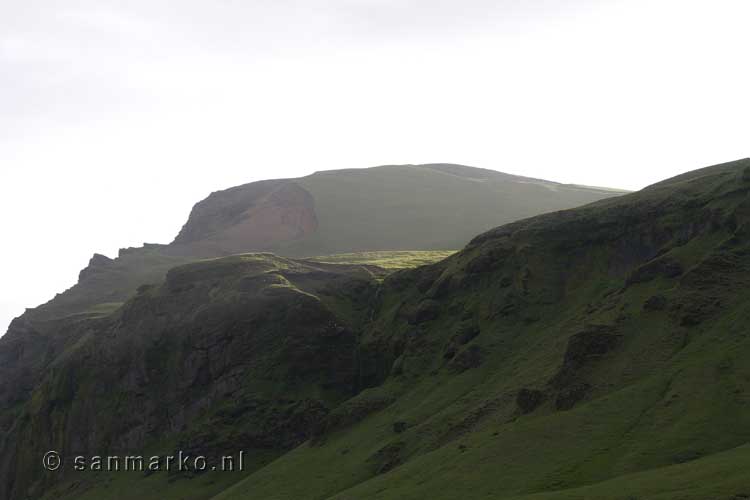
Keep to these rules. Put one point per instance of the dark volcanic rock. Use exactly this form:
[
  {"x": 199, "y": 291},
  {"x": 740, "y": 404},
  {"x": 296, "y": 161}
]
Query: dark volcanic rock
[
  {"x": 570, "y": 396},
  {"x": 465, "y": 333},
  {"x": 585, "y": 348},
  {"x": 468, "y": 358},
  {"x": 529, "y": 400},
  {"x": 655, "y": 303},
  {"x": 662, "y": 267},
  {"x": 388, "y": 457},
  {"x": 427, "y": 310},
  {"x": 399, "y": 427}
]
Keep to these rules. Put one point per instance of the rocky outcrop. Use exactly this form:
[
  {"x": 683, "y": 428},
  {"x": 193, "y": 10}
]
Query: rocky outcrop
[
  {"x": 529, "y": 400},
  {"x": 259, "y": 216},
  {"x": 97, "y": 263},
  {"x": 663, "y": 267}
]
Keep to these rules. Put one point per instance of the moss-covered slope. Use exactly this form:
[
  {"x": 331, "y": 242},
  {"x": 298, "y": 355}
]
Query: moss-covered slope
[{"x": 593, "y": 353}]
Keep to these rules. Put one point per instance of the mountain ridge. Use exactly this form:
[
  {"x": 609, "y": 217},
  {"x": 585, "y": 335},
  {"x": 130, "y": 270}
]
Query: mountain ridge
[{"x": 390, "y": 208}]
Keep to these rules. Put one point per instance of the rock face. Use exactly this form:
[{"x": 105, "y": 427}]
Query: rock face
[
  {"x": 97, "y": 263},
  {"x": 260, "y": 216},
  {"x": 668, "y": 268},
  {"x": 529, "y": 400},
  {"x": 237, "y": 353},
  {"x": 585, "y": 348}
]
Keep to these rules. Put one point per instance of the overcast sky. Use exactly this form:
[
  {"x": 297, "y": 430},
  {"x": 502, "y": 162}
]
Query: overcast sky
[{"x": 115, "y": 117}]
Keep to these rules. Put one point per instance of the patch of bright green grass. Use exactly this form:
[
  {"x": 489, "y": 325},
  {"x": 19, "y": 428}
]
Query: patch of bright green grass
[
  {"x": 388, "y": 259},
  {"x": 104, "y": 308}
]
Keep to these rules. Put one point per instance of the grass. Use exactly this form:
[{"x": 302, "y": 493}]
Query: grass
[
  {"x": 401, "y": 207},
  {"x": 104, "y": 308},
  {"x": 723, "y": 475},
  {"x": 656, "y": 406},
  {"x": 667, "y": 414},
  {"x": 388, "y": 259}
]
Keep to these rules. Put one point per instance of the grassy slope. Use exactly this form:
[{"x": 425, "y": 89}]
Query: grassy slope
[
  {"x": 632, "y": 430},
  {"x": 663, "y": 412},
  {"x": 667, "y": 413},
  {"x": 417, "y": 207},
  {"x": 387, "y": 259}
]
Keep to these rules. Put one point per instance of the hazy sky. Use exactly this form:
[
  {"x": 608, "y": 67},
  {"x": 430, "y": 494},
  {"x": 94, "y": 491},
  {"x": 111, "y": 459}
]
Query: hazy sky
[{"x": 115, "y": 117}]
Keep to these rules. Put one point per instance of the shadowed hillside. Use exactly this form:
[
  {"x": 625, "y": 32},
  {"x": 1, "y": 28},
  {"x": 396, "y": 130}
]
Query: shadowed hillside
[{"x": 594, "y": 353}]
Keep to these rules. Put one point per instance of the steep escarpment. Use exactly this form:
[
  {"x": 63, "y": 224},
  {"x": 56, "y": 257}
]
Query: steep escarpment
[
  {"x": 581, "y": 265},
  {"x": 260, "y": 216}
]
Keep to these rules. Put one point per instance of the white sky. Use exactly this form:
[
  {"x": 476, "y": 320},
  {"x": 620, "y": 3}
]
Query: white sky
[{"x": 115, "y": 117}]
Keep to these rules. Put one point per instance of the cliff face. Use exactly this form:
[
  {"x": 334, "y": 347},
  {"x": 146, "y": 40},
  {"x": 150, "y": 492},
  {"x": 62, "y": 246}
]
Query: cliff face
[
  {"x": 259, "y": 216},
  {"x": 248, "y": 353},
  {"x": 591, "y": 353}
]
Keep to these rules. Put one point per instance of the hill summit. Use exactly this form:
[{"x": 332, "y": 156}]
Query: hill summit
[
  {"x": 407, "y": 207},
  {"x": 398, "y": 207}
]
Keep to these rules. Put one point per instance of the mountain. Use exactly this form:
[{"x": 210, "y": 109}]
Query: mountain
[
  {"x": 598, "y": 352},
  {"x": 409, "y": 207},
  {"x": 384, "y": 208}
]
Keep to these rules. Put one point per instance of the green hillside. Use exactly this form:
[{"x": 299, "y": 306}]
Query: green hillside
[
  {"x": 428, "y": 207},
  {"x": 606, "y": 361},
  {"x": 593, "y": 353},
  {"x": 392, "y": 260}
]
